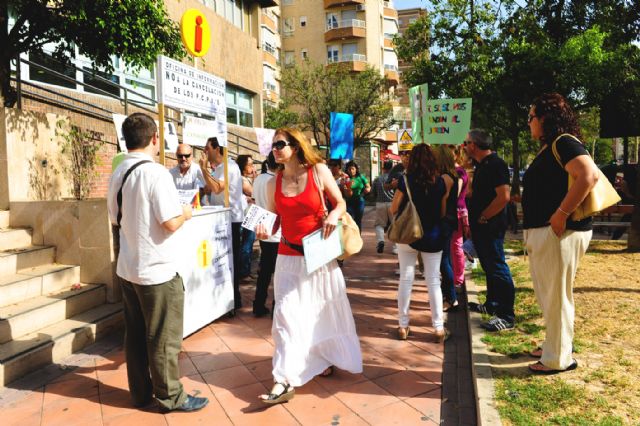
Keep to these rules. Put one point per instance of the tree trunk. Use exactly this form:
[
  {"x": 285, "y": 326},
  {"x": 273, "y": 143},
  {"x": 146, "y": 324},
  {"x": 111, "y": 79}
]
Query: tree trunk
[
  {"x": 7, "y": 93},
  {"x": 633, "y": 241}
]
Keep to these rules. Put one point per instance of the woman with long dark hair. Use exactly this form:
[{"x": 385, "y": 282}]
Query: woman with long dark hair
[
  {"x": 313, "y": 327},
  {"x": 428, "y": 192},
  {"x": 554, "y": 241},
  {"x": 355, "y": 188}
]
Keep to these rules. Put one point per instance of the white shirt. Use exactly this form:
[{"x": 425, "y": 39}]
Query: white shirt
[
  {"x": 237, "y": 201},
  {"x": 149, "y": 198},
  {"x": 260, "y": 195},
  {"x": 192, "y": 179}
]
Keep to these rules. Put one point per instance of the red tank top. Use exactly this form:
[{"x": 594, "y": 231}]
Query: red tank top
[{"x": 300, "y": 215}]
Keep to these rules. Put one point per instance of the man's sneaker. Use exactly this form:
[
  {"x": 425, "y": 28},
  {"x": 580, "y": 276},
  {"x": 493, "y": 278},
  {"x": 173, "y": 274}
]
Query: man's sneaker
[
  {"x": 479, "y": 308},
  {"x": 394, "y": 250},
  {"x": 497, "y": 324},
  {"x": 380, "y": 247}
]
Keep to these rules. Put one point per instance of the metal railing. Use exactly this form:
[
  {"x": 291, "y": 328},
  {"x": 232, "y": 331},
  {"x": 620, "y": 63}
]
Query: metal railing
[
  {"x": 63, "y": 98},
  {"x": 346, "y": 23},
  {"x": 390, "y": 67},
  {"x": 354, "y": 57},
  {"x": 269, "y": 48}
]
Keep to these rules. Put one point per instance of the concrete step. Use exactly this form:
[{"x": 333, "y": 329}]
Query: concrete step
[
  {"x": 14, "y": 238},
  {"x": 33, "y": 282},
  {"x": 4, "y": 219},
  {"x": 56, "y": 342},
  {"x": 26, "y": 257},
  {"x": 28, "y": 316}
]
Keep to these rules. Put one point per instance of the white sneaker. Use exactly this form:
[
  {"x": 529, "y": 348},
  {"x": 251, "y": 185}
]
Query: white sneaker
[{"x": 394, "y": 250}]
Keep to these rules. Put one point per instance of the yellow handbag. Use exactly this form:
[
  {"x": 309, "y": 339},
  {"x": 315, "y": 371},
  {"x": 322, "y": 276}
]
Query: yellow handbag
[
  {"x": 349, "y": 232},
  {"x": 601, "y": 196}
]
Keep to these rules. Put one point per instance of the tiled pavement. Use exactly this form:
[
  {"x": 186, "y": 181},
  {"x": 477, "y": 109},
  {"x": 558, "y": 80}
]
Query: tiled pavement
[{"x": 230, "y": 362}]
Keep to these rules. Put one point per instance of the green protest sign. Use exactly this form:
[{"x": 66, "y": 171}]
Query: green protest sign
[
  {"x": 418, "y": 102},
  {"x": 447, "y": 121}
]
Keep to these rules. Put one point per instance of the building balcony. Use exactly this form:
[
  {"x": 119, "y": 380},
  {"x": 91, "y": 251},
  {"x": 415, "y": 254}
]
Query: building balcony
[
  {"x": 336, "y": 3},
  {"x": 388, "y": 11},
  {"x": 269, "y": 55},
  {"x": 391, "y": 74},
  {"x": 355, "y": 62},
  {"x": 388, "y": 41},
  {"x": 269, "y": 22},
  {"x": 349, "y": 28},
  {"x": 270, "y": 95}
]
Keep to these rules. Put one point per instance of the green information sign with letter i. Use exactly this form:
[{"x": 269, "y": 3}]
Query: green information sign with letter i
[
  {"x": 418, "y": 101},
  {"x": 447, "y": 121}
]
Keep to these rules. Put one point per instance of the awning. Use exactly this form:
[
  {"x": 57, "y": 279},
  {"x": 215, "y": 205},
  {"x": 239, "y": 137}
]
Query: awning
[
  {"x": 388, "y": 155},
  {"x": 267, "y": 3}
]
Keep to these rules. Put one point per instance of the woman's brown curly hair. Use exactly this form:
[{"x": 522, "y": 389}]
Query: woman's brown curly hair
[
  {"x": 422, "y": 165},
  {"x": 557, "y": 115}
]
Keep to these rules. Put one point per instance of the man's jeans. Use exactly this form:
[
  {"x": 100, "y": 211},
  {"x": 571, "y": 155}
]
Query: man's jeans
[{"x": 500, "y": 289}]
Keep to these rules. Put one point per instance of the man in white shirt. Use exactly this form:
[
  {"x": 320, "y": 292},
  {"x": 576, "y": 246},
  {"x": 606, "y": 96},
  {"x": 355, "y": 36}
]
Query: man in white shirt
[
  {"x": 186, "y": 175},
  {"x": 268, "y": 247},
  {"x": 213, "y": 156},
  {"x": 143, "y": 202}
]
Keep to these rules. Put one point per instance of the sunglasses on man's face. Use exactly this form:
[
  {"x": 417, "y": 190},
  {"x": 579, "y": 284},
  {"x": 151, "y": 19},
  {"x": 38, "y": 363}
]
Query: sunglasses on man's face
[
  {"x": 183, "y": 155},
  {"x": 280, "y": 144}
]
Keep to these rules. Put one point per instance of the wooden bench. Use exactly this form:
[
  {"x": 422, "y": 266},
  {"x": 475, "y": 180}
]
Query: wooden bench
[{"x": 611, "y": 216}]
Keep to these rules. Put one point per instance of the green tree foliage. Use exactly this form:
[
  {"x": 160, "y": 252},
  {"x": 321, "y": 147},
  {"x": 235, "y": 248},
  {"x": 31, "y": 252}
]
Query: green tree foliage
[
  {"x": 81, "y": 150},
  {"x": 504, "y": 54},
  {"x": 317, "y": 90},
  {"x": 135, "y": 30},
  {"x": 280, "y": 116}
]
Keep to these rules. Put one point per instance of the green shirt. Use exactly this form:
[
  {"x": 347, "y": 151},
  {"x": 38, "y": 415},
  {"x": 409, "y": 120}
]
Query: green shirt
[{"x": 358, "y": 184}]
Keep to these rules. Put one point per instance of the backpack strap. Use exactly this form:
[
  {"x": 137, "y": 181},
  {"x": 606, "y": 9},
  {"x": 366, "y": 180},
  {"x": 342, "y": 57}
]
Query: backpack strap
[{"x": 124, "y": 179}]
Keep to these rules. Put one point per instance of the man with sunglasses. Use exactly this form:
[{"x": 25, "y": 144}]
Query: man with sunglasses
[
  {"x": 186, "y": 175},
  {"x": 488, "y": 221}
]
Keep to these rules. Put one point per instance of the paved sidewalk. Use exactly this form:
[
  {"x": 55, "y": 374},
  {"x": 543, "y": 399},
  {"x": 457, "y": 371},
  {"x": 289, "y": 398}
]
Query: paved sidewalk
[{"x": 229, "y": 361}]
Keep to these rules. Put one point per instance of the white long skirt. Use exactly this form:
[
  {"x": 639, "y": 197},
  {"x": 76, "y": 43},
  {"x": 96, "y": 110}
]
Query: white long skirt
[{"x": 313, "y": 326}]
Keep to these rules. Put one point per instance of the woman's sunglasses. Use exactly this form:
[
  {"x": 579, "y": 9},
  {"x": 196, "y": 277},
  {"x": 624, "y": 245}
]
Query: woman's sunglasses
[{"x": 280, "y": 144}]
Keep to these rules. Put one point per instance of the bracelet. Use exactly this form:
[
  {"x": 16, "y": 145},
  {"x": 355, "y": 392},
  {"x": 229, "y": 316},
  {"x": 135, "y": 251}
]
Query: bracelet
[{"x": 562, "y": 211}]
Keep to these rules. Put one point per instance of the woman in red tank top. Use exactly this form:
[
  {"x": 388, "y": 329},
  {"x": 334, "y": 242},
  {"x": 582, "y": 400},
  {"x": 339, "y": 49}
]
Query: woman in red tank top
[{"x": 313, "y": 328}]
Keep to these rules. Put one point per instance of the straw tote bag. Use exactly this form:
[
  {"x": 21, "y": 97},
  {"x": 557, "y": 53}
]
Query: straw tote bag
[
  {"x": 601, "y": 196},
  {"x": 350, "y": 233},
  {"x": 406, "y": 227}
]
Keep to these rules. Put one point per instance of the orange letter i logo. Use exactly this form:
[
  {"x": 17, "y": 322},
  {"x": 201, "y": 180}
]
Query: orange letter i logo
[{"x": 198, "y": 40}]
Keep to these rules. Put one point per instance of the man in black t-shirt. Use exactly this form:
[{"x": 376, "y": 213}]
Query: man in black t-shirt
[{"x": 488, "y": 221}]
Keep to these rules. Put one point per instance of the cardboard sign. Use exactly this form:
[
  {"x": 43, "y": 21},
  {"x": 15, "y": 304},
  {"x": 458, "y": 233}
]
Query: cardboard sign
[
  {"x": 341, "y": 136},
  {"x": 448, "y": 121},
  {"x": 418, "y": 96}
]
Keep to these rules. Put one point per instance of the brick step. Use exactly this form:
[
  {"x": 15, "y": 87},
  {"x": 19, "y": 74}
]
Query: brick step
[
  {"x": 4, "y": 219},
  {"x": 26, "y": 257},
  {"x": 11, "y": 238},
  {"x": 33, "y": 282},
  {"x": 30, "y": 315},
  {"x": 56, "y": 342}
]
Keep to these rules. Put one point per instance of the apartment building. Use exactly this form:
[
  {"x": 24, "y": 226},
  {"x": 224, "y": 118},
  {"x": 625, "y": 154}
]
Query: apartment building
[
  {"x": 351, "y": 32},
  {"x": 242, "y": 53},
  {"x": 406, "y": 17}
]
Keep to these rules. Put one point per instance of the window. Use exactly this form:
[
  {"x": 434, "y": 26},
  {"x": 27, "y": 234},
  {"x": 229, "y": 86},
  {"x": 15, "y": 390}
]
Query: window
[
  {"x": 289, "y": 26},
  {"x": 349, "y": 50},
  {"x": 333, "y": 54},
  {"x": 305, "y": 54},
  {"x": 239, "y": 106},
  {"x": 48, "y": 61},
  {"x": 235, "y": 11},
  {"x": 289, "y": 57},
  {"x": 287, "y": 2},
  {"x": 303, "y": 21},
  {"x": 412, "y": 20},
  {"x": 332, "y": 21}
]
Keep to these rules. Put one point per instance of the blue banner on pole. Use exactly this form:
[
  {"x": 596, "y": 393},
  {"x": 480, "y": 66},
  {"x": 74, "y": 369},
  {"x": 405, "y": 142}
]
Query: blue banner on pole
[{"x": 341, "y": 136}]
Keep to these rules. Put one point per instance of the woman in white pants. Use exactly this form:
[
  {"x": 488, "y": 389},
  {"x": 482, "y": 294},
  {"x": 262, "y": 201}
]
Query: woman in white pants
[
  {"x": 554, "y": 240},
  {"x": 428, "y": 193}
]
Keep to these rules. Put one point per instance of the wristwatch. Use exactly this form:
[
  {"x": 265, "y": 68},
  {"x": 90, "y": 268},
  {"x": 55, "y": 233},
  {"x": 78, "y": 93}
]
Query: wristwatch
[{"x": 482, "y": 220}]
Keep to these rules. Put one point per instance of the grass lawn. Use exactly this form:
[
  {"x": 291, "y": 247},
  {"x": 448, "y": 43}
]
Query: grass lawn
[{"x": 605, "y": 389}]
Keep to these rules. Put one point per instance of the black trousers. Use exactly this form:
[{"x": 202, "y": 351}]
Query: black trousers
[
  {"x": 268, "y": 255},
  {"x": 236, "y": 230}
]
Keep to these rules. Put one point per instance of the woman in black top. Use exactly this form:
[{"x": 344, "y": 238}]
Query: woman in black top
[
  {"x": 428, "y": 192},
  {"x": 555, "y": 243}
]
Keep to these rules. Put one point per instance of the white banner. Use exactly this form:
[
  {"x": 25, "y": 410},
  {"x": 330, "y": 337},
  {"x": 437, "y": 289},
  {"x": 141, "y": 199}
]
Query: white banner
[
  {"x": 265, "y": 138},
  {"x": 184, "y": 87},
  {"x": 196, "y": 130},
  {"x": 170, "y": 134}
]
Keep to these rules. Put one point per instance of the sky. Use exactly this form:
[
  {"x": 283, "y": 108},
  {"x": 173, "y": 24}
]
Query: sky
[{"x": 408, "y": 4}]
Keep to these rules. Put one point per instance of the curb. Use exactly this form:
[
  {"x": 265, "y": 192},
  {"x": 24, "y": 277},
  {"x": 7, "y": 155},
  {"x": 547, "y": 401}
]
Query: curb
[{"x": 480, "y": 364}]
